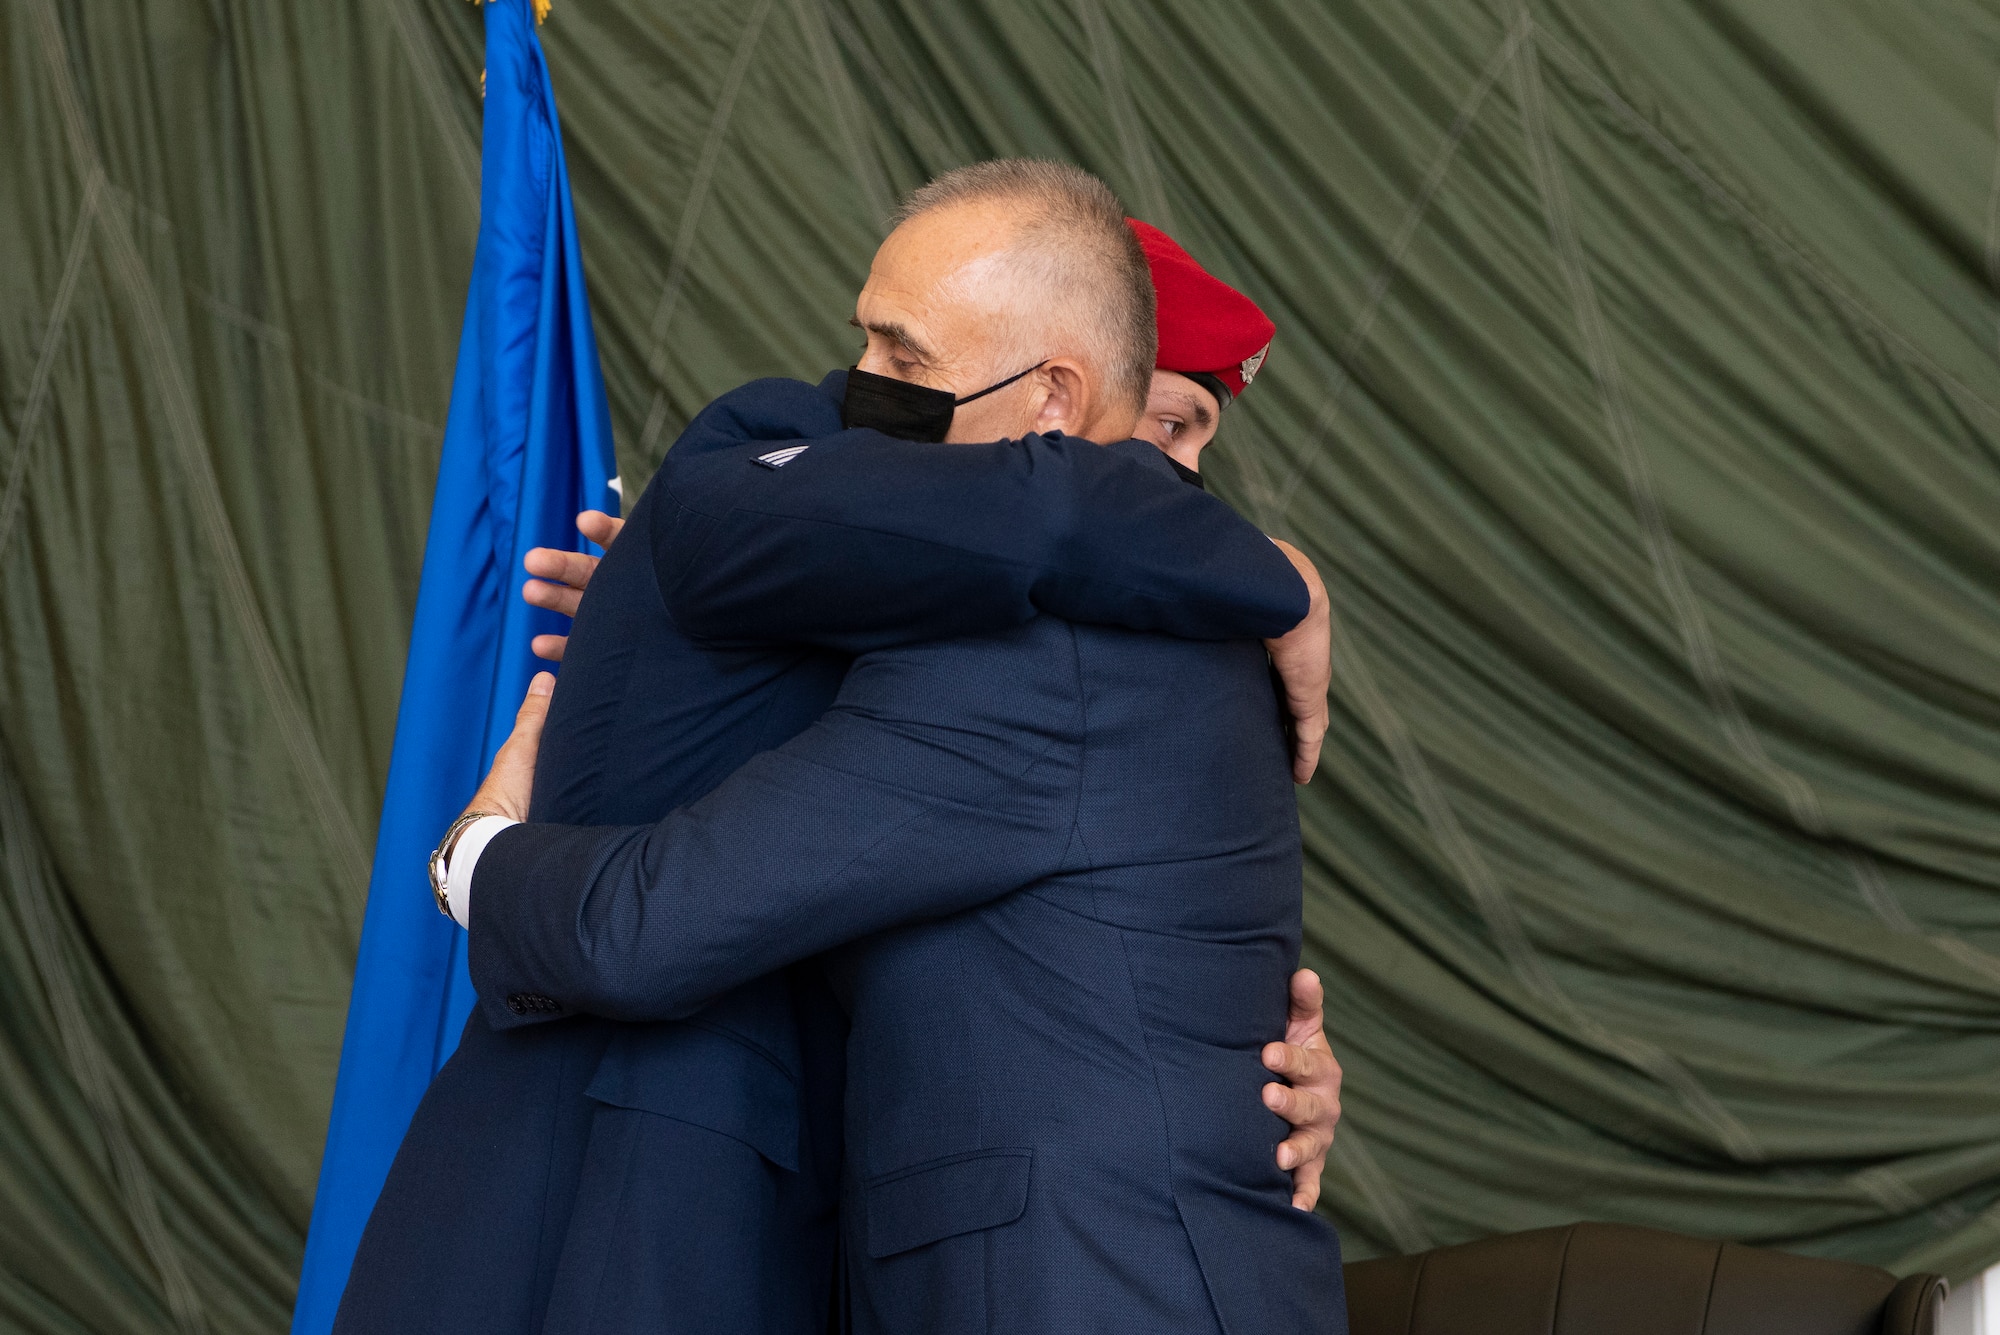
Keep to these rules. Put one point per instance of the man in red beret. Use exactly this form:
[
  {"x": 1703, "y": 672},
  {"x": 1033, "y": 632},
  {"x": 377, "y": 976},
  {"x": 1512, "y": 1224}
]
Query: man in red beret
[{"x": 1213, "y": 341}]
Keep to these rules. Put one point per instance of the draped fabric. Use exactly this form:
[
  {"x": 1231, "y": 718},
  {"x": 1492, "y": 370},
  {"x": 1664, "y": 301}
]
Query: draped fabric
[{"x": 1635, "y": 387}]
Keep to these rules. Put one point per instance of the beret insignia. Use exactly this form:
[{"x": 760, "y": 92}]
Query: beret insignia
[{"x": 1253, "y": 363}]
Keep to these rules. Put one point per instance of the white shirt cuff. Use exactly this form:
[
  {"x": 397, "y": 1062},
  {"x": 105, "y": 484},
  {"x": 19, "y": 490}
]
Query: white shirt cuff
[{"x": 464, "y": 861}]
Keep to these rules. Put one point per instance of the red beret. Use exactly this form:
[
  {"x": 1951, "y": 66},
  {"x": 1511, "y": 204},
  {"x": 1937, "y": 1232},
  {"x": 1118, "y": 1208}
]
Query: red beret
[{"x": 1207, "y": 328}]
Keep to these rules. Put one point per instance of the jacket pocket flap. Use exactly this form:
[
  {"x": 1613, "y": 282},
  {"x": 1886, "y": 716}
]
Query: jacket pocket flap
[
  {"x": 946, "y": 1197},
  {"x": 706, "y": 1079}
]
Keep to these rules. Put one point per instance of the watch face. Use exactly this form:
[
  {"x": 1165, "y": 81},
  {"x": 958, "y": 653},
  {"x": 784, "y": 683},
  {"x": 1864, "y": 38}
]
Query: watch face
[{"x": 440, "y": 860}]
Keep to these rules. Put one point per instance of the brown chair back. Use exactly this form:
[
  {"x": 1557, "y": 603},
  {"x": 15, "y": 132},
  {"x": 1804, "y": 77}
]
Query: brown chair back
[{"x": 1614, "y": 1279}]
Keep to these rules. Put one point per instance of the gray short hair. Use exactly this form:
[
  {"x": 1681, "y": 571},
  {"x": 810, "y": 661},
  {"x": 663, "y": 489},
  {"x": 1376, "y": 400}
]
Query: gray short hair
[{"x": 1074, "y": 237}]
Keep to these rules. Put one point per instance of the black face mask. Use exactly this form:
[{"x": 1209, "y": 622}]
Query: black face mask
[
  {"x": 1186, "y": 474},
  {"x": 903, "y": 410}
]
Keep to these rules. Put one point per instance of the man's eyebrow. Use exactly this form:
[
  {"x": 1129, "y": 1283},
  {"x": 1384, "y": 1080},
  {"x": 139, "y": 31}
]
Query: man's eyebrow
[
  {"x": 890, "y": 329},
  {"x": 1192, "y": 406}
]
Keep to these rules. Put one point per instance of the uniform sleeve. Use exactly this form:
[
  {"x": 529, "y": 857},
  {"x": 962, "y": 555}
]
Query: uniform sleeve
[
  {"x": 930, "y": 787},
  {"x": 859, "y": 541}
]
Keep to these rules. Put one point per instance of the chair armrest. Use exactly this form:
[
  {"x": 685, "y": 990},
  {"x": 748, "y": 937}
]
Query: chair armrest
[{"x": 1914, "y": 1305}]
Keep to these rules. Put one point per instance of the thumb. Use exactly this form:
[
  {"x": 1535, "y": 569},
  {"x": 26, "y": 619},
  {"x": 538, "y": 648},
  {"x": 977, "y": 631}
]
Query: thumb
[
  {"x": 534, "y": 712},
  {"x": 1308, "y": 1007},
  {"x": 514, "y": 768}
]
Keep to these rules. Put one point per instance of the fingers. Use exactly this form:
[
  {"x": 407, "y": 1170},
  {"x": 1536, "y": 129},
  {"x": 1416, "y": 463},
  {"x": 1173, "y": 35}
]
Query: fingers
[
  {"x": 1304, "y": 1109},
  {"x": 555, "y": 597},
  {"x": 1311, "y": 1101},
  {"x": 1310, "y": 1066},
  {"x": 1311, "y": 1104},
  {"x": 1300, "y": 1148},
  {"x": 1304, "y": 1149},
  {"x": 1300, "y": 1064},
  {"x": 599, "y": 527},
  {"x": 573, "y": 569},
  {"x": 1303, "y": 1153},
  {"x": 561, "y": 578}
]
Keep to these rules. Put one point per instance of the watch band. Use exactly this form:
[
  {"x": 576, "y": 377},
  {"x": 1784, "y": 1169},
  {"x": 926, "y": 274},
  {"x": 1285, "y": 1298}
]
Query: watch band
[{"x": 441, "y": 856}]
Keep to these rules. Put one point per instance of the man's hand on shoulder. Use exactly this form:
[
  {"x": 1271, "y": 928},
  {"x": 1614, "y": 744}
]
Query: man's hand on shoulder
[
  {"x": 1303, "y": 657},
  {"x": 1311, "y": 1099},
  {"x": 561, "y": 577}
]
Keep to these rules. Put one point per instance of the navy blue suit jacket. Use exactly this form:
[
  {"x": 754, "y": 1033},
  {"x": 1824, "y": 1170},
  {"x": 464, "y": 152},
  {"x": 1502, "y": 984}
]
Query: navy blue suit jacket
[
  {"x": 1058, "y": 867},
  {"x": 589, "y": 1174}
]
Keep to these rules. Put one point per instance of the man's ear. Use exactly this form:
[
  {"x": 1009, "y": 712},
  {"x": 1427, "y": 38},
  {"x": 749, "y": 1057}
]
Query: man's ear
[{"x": 1067, "y": 403}]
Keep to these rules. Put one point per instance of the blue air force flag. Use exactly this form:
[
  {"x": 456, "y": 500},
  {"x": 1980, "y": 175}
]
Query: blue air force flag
[{"x": 527, "y": 444}]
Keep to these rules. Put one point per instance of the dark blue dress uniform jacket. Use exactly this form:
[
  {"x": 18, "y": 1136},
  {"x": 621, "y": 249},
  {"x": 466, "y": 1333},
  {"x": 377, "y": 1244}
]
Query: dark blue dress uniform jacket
[
  {"x": 578, "y": 1172},
  {"x": 1057, "y": 867}
]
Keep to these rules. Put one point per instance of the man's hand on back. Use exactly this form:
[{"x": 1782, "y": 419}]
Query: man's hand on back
[
  {"x": 510, "y": 784},
  {"x": 1303, "y": 657},
  {"x": 1311, "y": 1101},
  {"x": 562, "y": 576}
]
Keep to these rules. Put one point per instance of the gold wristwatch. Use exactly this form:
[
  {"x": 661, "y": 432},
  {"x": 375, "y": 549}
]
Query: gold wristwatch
[{"x": 441, "y": 856}]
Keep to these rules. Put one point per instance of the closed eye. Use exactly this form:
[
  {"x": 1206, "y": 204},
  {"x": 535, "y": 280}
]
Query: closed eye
[{"x": 899, "y": 340}]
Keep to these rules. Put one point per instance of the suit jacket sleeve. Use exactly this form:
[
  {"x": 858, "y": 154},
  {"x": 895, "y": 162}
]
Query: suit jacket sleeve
[
  {"x": 861, "y": 541},
  {"x": 932, "y": 785}
]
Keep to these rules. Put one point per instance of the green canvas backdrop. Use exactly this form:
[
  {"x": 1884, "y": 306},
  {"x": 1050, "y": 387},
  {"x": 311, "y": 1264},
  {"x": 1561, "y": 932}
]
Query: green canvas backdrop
[{"x": 1635, "y": 389}]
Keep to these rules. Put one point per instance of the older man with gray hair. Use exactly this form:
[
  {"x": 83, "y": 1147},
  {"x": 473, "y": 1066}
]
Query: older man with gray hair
[
  {"x": 996, "y": 284},
  {"x": 1005, "y": 792}
]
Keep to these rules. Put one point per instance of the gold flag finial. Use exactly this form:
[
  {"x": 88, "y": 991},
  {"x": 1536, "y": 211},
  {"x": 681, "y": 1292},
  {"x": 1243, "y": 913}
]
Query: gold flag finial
[{"x": 541, "y": 10}]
